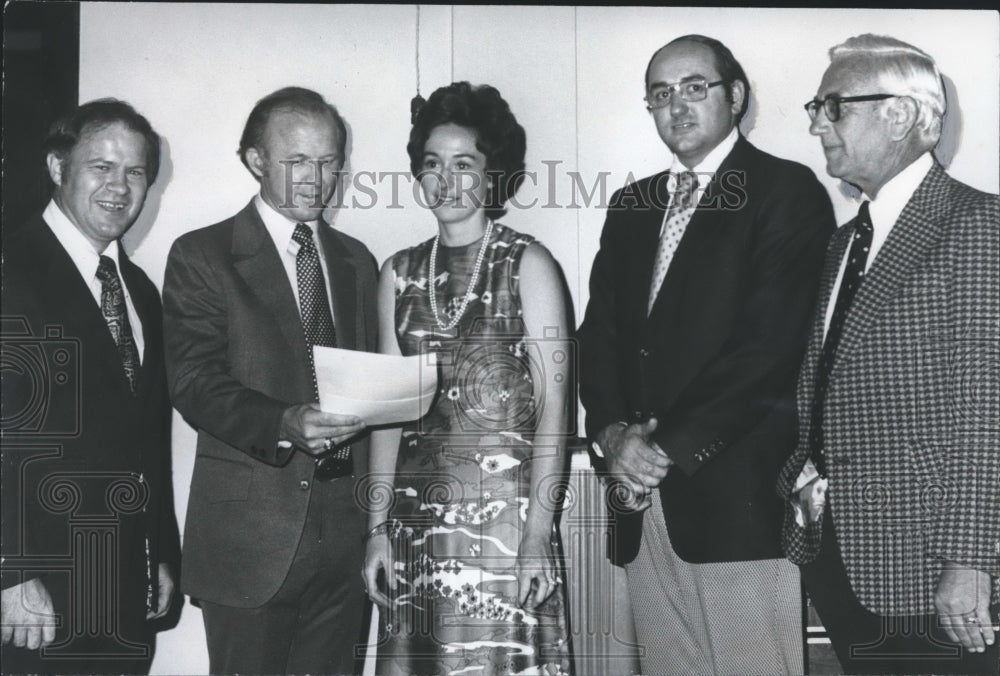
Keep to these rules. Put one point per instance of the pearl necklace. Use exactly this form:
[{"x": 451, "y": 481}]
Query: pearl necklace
[{"x": 432, "y": 289}]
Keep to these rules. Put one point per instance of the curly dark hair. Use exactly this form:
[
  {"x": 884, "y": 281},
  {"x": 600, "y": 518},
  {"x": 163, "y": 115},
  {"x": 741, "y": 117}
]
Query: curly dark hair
[
  {"x": 67, "y": 131},
  {"x": 498, "y": 136}
]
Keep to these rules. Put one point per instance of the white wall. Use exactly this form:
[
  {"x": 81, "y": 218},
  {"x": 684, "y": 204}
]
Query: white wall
[{"x": 574, "y": 78}]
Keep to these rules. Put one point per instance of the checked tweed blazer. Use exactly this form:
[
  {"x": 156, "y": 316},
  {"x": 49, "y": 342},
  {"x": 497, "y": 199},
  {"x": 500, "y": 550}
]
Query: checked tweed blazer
[{"x": 913, "y": 407}]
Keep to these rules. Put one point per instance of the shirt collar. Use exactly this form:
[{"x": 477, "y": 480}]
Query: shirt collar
[
  {"x": 279, "y": 226},
  {"x": 705, "y": 170},
  {"x": 894, "y": 195},
  {"x": 79, "y": 248}
]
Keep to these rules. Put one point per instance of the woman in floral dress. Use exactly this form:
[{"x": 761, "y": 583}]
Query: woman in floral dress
[{"x": 463, "y": 553}]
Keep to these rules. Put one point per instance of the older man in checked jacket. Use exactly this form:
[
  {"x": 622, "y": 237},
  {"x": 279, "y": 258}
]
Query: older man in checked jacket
[{"x": 893, "y": 495}]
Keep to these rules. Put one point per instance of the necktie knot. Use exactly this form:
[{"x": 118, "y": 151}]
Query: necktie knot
[
  {"x": 863, "y": 223},
  {"x": 687, "y": 182},
  {"x": 302, "y": 235},
  {"x": 106, "y": 269}
]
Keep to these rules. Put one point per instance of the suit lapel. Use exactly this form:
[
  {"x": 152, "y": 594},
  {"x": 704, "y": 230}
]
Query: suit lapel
[
  {"x": 259, "y": 264},
  {"x": 913, "y": 235},
  {"x": 707, "y": 226},
  {"x": 806, "y": 383},
  {"x": 342, "y": 288},
  {"x": 807, "y": 378},
  {"x": 645, "y": 238},
  {"x": 66, "y": 289}
]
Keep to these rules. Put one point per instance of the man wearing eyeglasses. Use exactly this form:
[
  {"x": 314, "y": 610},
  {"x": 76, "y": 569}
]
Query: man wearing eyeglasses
[
  {"x": 893, "y": 494},
  {"x": 700, "y": 299}
]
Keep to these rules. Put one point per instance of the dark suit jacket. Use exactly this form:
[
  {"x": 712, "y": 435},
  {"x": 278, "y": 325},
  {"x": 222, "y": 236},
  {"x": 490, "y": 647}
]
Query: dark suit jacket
[
  {"x": 236, "y": 359},
  {"x": 78, "y": 447},
  {"x": 912, "y": 408},
  {"x": 715, "y": 361}
]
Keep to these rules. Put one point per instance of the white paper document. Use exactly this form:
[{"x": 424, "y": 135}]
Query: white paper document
[{"x": 380, "y": 389}]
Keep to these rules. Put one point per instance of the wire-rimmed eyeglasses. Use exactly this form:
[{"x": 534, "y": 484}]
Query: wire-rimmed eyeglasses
[
  {"x": 831, "y": 104},
  {"x": 690, "y": 89}
]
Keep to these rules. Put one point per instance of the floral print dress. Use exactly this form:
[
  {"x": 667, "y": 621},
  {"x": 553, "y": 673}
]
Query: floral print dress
[{"x": 463, "y": 477}]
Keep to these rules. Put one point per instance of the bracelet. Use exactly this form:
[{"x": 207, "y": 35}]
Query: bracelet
[{"x": 381, "y": 529}]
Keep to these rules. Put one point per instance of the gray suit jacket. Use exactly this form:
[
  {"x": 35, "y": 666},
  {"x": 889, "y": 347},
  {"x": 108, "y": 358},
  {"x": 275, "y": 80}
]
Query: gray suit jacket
[
  {"x": 911, "y": 420},
  {"x": 236, "y": 359}
]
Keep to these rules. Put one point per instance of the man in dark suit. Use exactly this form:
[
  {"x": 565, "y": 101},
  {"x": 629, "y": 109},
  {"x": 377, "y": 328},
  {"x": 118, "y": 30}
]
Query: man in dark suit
[
  {"x": 893, "y": 494},
  {"x": 691, "y": 340},
  {"x": 90, "y": 541},
  {"x": 272, "y": 542}
]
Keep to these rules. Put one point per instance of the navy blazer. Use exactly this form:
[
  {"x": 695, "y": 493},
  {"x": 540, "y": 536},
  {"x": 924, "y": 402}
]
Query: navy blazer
[
  {"x": 78, "y": 446},
  {"x": 715, "y": 361}
]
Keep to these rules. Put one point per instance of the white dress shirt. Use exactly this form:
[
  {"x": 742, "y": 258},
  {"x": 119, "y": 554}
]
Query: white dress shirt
[
  {"x": 281, "y": 229},
  {"x": 704, "y": 171},
  {"x": 86, "y": 260},
  {"x": 884, "y": 212}
]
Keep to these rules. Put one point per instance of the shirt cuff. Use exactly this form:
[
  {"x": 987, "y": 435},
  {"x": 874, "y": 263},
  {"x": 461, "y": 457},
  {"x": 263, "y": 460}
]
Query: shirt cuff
[{"x": 596, "y": 447}]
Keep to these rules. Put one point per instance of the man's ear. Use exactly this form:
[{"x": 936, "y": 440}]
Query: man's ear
[
  {"x": 55, "y": 166},
  {"x": 738, "y": 91},
  {"x": 903, "y": 114},
  {"x": 255, "y": 161}
]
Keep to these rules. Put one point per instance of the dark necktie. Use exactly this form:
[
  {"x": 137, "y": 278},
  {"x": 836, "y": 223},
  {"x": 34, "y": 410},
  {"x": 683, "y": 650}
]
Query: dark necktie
[
  {"x": 854, "y": 274},
  {"x": 317, "y": 322},
  {"x": 116, "y": 315}
]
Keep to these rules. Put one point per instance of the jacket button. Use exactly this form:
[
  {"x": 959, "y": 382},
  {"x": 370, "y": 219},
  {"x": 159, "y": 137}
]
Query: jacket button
[
  {"x": 304, "y": 485},
  {"x": 643, "y": 352}
]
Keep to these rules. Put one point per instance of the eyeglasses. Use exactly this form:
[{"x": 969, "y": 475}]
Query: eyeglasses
[
  {"x": 689, "y": 89},
  {"x": 831, "y": 104}
]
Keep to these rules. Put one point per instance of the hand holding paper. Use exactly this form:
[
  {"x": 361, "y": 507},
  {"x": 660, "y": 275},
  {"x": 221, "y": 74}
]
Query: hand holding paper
[{"x": 378, "y": 388}]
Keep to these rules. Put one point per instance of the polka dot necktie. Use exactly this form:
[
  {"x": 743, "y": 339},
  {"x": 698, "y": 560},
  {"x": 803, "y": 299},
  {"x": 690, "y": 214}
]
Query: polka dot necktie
[
  {"x": 854, "y": 275},
  {"x": 317, "y": 322},
  {"x": 116, "y": 315},
  {"x": 677, "y": 218}
]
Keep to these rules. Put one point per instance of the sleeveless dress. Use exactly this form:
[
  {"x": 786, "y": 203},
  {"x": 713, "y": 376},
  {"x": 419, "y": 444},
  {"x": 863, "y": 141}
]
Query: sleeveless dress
[{"x": 463, "y": 478}]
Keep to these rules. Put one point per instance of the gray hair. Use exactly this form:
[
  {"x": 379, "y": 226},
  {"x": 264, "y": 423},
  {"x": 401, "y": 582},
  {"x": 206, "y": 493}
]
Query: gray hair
[{"x": 903, "y": 70}]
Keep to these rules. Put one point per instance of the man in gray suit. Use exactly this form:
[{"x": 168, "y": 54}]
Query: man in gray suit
[
  {"x": 272, "y": 540},
  {"x": 893, "y": 495}
]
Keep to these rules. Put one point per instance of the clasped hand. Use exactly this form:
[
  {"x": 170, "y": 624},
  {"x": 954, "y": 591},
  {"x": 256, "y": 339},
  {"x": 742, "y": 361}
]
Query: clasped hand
[
  {"x": 634, "y": 462},
  {"x": 315, "y": 431}
]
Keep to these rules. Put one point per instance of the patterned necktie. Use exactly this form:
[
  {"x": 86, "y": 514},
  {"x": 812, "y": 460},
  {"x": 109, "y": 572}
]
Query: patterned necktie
[
  {"x": 116, "y": 315},
  {"x": 854, "y": 274},
  {"x": 677, "y": 218},
  {"x": 317, "y": 322}
]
